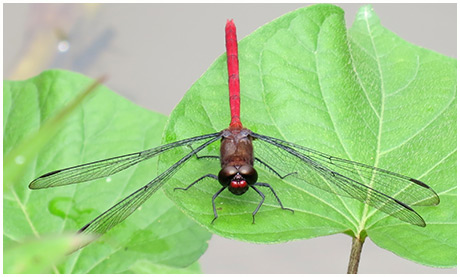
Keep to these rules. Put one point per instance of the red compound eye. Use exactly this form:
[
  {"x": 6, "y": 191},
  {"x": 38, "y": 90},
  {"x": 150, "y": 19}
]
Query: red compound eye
[{"x": 238, "y": 184}]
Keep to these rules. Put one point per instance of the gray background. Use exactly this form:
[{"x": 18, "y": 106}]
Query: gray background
[{"x": 152, "y": 53}]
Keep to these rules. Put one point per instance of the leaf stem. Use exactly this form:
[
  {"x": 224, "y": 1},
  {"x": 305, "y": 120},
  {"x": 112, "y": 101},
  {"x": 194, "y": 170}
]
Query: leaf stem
[{"x": 355, "y": 255}]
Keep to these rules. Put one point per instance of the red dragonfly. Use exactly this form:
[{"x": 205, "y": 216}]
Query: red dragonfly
[{"x": 240, "y": 149}]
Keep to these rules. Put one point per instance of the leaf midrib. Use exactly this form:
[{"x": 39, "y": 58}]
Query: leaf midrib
[{"x": 366, "y": 214}]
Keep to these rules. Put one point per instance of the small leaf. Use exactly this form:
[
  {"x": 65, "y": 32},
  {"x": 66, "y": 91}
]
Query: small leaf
[
  {"x": 104, "y": 126},
  {"x": 366, "y": 95}
]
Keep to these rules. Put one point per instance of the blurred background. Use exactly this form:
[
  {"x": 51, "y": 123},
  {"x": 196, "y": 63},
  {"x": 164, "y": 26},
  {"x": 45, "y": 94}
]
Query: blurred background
[{"x": 152, "y": 54}]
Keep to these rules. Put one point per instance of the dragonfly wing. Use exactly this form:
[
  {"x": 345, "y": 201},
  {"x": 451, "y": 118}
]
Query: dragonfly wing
[
  {"x": 408, "y": 190},
  {"x": 119, "y": 212},
  {"x": 389, "y": 192},
  {"x": 106, "y": 167},
  {"x": 127, "y": 206}
]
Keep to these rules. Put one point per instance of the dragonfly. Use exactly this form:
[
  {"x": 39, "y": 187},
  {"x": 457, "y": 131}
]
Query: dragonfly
[{"x": 240, "y": 150}]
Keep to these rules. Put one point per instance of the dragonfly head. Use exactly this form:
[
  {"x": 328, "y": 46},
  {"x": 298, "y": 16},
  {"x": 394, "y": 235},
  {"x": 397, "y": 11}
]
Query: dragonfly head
[{"x": 238, "y": 178}]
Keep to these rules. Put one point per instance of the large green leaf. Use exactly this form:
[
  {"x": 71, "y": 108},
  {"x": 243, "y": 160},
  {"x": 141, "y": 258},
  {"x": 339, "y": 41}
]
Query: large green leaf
[
  {"x": 363, "y": 95},
  {"x": 105, "y": 125}
]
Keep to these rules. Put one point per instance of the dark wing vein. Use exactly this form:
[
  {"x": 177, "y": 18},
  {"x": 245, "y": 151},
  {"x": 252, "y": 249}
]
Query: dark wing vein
[
  {"x": 106, "y": 167},
  {"x": 389, "y": 192}
]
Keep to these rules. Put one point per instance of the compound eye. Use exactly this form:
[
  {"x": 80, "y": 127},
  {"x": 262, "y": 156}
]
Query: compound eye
[
  {"x": 248, "y": 173},
  {"x": 226, "y": 175}
]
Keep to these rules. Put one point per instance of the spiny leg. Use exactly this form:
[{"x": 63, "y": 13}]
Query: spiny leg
[
  {"x": 274, "y": 193},
  {"x": 207, "y": 157},
  {"x": 273, "y": 170},
  {"x": 214, "y": 204},
  {"x": 199, "y": 179},
  {"x": 258, "y": 206}
]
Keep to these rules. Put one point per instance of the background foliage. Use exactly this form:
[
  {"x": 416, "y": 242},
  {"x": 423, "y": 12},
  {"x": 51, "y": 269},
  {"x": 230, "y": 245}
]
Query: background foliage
[{"x": 157, "y": 237}]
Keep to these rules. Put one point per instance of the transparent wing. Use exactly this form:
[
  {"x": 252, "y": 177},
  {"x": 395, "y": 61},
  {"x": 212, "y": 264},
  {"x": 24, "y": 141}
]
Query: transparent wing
[
  {"x": 127, "y": 206},
  {"x": 387, "y": 191},
  {"x": 107, "y": 167}
]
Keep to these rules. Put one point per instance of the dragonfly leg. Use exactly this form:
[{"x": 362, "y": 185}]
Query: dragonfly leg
[
  {"x": 258, "y": 206},
  {"x": 273, "y": 170},
  {"x": 274, "y": 193},
  {"x": 207, "y": 157},
  {"x": 198, "y": 180},
  {"x": 204, "y": 157},
  {"x": 214, "y": 204}
]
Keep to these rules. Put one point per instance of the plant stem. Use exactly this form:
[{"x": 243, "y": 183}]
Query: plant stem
[{"x": 355, "y": 255}]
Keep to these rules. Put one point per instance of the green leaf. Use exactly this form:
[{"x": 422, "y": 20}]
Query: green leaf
[
  {"x": 21, "y": 155},
  {"x": 106, "y": 125},
  {"x": 366, "y": 95},
  {"x": 416, "y": 104}
]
